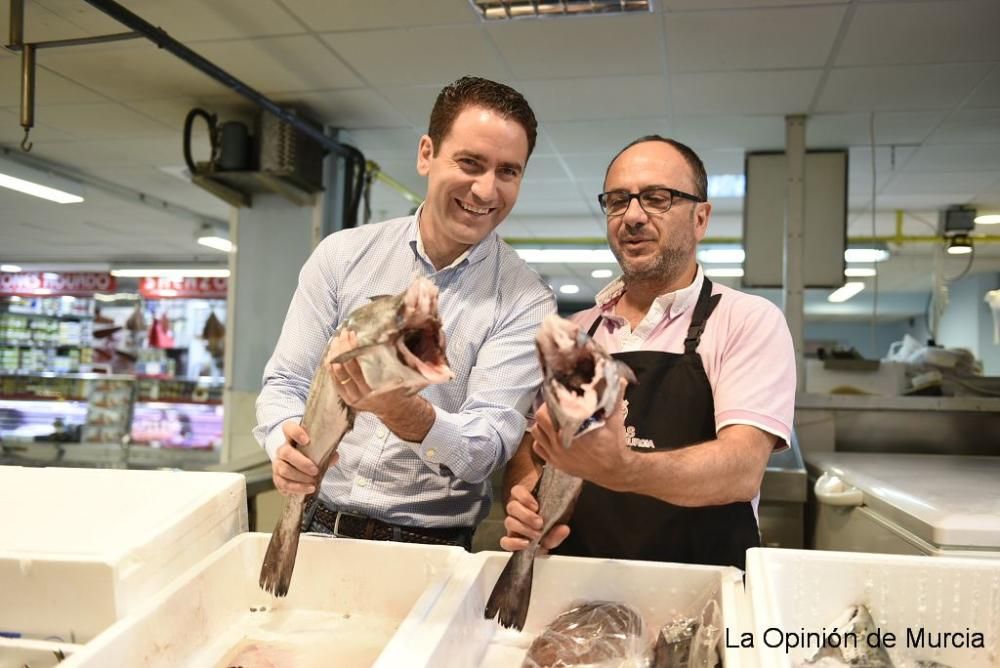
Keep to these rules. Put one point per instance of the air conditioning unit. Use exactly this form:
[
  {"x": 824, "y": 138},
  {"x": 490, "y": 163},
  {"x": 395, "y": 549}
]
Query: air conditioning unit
[{"x": 276, "y": 158}]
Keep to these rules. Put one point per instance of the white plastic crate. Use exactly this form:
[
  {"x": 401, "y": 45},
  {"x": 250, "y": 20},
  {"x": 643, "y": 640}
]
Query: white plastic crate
[
  {"x": 455, "y": 634},
  {"x": 83, "y": 547},
  {"x": 347, "y": 599},
  {"x": 18, "y": 653},
  {"x": 803, "y": 590}
]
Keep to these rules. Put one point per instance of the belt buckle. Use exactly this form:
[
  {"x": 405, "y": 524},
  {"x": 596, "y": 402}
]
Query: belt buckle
[{"x": 336, "y": 523}]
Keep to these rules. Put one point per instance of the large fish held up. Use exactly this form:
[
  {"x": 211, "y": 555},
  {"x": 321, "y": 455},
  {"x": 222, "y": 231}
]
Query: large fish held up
[
  {"x": 580, "y": 388},
  {"x": 400, "y": 345}
]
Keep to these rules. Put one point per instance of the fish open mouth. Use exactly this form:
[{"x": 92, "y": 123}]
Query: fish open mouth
[
  {"x": 578, "y": 387},
  {"x": 422, "y": 349}
]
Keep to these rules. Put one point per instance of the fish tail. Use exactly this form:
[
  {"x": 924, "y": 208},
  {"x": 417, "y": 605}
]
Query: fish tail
[
  {"x": 512, "y": 592},
  {"x": 276, "y": 571}
]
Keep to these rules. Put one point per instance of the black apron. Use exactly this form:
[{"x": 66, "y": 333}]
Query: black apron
[{"x": 671, "y": 407}]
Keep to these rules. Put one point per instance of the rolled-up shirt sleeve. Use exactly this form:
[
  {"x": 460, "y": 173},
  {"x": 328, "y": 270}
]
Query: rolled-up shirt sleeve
[
  {"x": 481, "y": 437},
  {"x": 312, "y": 317}
]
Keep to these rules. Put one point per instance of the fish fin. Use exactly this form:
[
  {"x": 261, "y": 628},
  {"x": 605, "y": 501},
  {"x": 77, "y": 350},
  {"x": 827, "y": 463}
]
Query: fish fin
[
  {"x": 375, "y": 298},
  {"x": 627, "y": 372},
  {"x": 512, "y": 593},
  {"x": 279, "y": 560}
]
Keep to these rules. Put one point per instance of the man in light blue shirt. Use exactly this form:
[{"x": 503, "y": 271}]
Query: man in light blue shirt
[{"x": 416, "y": 468}]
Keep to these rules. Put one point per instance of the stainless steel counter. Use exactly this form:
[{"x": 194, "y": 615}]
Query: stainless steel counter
[{"x": 783, "y": 494}]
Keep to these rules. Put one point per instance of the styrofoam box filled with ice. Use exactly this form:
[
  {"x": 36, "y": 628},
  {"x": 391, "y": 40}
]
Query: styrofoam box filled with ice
[
  {"x": 808, "y": 590},
  {"x": 347, "y": 598},
  {"x": 82, "y": 548},
  {"x": 455, "y": 634}
]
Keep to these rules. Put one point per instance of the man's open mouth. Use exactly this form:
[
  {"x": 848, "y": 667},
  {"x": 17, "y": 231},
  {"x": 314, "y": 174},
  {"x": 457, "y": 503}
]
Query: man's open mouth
[{"x": 471, "y": 208}]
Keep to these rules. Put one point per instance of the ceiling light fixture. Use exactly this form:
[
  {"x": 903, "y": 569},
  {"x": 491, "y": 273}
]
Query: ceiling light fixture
[
  {"x": 859, "y": 272},
  {"x": 988, "y": 219},
  {"x": 724, "y": 272},
  {"x": 171, "y": 272},
  {"x": 602, "y": 273},
  {"x": 213, "y": 236},
  {"x": 959, "y": 245},
  {"x": 866, "y": 255},
  {"x": 491, "y": 10},
  {"x": 39, "y": 183},
  {"x": 844, "y": 293},
  {"x": 566, "y": 255},
  {"x": 569, "y": 289},
  {"x": 10, "y": 268}
]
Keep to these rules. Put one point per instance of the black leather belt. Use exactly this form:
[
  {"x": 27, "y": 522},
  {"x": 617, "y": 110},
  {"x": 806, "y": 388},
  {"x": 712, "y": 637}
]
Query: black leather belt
[{"x": 349, "y": 525}]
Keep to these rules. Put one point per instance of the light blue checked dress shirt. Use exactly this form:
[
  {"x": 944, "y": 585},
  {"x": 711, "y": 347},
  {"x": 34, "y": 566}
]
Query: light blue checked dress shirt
[{"x": 491, "y": 304}]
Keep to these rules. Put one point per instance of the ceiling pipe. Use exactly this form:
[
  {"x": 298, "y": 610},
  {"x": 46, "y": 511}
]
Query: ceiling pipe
[{"x": 159, "y": 37}]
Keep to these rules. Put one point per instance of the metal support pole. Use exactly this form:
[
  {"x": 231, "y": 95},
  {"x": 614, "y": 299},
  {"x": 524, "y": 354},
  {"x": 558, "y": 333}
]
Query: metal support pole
[
  {"x": 168, "y": 43},
  {"x": 16, "y": 23},
  {"x": 27, "y": 93},
  {"x": 794, "y": 294}
]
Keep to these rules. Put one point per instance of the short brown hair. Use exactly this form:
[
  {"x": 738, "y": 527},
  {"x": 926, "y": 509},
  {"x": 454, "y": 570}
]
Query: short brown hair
[
  {"x": 690, "y": 157},
  {"x": 475, "y": 91}
]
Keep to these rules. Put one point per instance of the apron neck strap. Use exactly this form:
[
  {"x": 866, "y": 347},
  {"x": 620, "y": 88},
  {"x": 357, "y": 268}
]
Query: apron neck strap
[{"x": 706, "y": 304}]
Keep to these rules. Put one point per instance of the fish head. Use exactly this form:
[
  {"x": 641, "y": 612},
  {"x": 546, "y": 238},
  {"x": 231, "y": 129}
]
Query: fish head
[
  {"x": 580, "y": 381},
  {"x": 401, "y": 342}
]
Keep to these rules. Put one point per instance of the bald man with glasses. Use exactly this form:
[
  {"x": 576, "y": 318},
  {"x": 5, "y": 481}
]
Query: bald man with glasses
[{"x": 675, "y": 474}]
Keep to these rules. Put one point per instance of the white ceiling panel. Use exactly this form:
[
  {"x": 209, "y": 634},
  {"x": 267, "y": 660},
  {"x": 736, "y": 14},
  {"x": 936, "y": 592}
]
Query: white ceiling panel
[
  {"x": 718, "y": 161},
  {"x": 902, "y": 88},
  {"x": 369, "y": 53},
  {"x": 545, "y": 168},
  {"x": 172, "y": 111},
  {"x": 413, "y": 102},
  {"x": 50, "y": 88},
  {"x": 40, "y": 24},
  {"x": 11, "y": 132},
  {"x": 186, "y": 20},
  {"x": 971, "y": 126},
  {"x": 757, "y": 92},
  {"x": 751, "y": 40},
  {"x": 966, "y": 158},
  {"x": 386, "y": 144},
  {"x": 343, "y": 15},
  {"x": 753, "y": 133},
  {"x": 587, "y": 99},
  {"x": 922, "y": 32},
  {"x": 887, "y": 159},
  {"x": 961, "y": 185},
  {"x": 127, "y": 74},
  {"x": 987, "y": 93},
  {"x": 354, "y": 108},
  {"x": 150, "y": 151},
  {"x": 281, "y": 64},
  {"x": 837, "y": 130},
  {"x": 602, "y": 136},
  {"x": 538, "y": 190},
  {"x": 96, "y": 121},
  {"x": 166, "y": 186},
  {"x": 706, "y": 5},
  {"x": 580, "y": 46},
  {"x": 589, "y": 169}
]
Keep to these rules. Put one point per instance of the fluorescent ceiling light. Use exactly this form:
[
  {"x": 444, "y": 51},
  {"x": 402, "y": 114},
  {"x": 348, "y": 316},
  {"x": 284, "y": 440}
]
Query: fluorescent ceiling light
[
  {"x": 567, "y": 255},
  {"x": 960, "y": 245},
  {"x": 726, "y": 185},
  {"x": 858, "y": 272},
  {"x": 10, "y": 268},
  {"x": 724, "y": 272},
  {"x": 602, "y": 273},
  {"x": 118, "y": 296},
  {"x": 569, "y": 289},
  {"x": 39, "y": 183},
  {"x": 988, "y": 219},
  {"x": 721, "y": 255},
  {"x": 846, "y": 292},
  {"x": 866, "y": 255},
  {"x": 218, "y": 243},
  {"x": 516, "y": 9},
  {"x": 175, "y": 272}
]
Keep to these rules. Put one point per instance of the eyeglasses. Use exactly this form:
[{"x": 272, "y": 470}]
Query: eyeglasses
[{"x": 652, "y": 200}]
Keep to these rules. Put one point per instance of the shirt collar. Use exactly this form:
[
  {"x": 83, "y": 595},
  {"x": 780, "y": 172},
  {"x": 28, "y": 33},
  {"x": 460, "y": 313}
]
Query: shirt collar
[
  {"x": 474, "y": 254},
  {"x": 672, "y": 303}
]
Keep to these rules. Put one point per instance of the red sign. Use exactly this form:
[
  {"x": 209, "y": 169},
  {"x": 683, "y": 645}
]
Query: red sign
[
  {"x": 159, "y": 287},
  {"x": 38, "y": 284}
]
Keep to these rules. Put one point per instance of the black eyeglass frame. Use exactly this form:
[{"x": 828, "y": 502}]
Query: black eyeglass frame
[{"x": 602, "y": 198}]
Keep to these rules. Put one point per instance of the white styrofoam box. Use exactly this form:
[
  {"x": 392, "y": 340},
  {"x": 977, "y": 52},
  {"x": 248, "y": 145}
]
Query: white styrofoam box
[
  {"x": 455, "y": 634},
  {"x": 346, "y": 600},
  {"x": 800, "y": 591},
  {"x": 83, "y": 547},
  {"x": 889, "y": 380},
  {"x": 18, "y": 653}
]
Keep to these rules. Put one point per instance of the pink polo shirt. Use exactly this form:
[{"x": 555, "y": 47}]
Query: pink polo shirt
[{"x": 746, "y": 349}]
